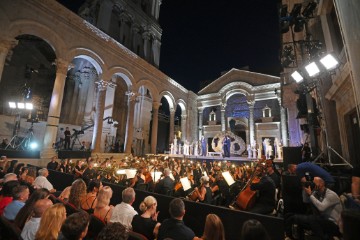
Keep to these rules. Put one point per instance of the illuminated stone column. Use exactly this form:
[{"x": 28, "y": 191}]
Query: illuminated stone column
[
  {"x": 154, "y": 128},
  {"x": 200, "y": 111},
  {"x": 251, "y": 104},
  {"x": 172, "y": 122},
  {"x": 62, "y": 68},
  {"x": 183, "y": 127},
  {"x": 146, "y": 40},
  {"x": 283, "y": 124},
  {"x": 130, "y": 121},
  {"x": 223, "y": 120},
  {"x": 5, "y": 47},
  {"x": 101, "y": 87}
]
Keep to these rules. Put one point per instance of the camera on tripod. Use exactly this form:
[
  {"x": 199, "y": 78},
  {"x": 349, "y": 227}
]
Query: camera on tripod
[
  {"x": 309, "y": 181},
  {"x": 77, "y": 132}
]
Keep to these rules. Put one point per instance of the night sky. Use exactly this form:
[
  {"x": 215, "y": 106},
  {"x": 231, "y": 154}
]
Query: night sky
[{"x": 202, "y": 38}]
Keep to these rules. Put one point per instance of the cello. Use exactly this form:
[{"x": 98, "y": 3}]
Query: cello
[{"x": 246, "y": 199}]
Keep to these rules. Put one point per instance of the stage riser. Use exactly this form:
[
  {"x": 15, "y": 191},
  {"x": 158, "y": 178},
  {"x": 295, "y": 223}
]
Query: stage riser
[{"x": 19, "y": 154}]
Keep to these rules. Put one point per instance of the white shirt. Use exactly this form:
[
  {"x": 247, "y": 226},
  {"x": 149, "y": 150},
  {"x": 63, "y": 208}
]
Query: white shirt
[
  {"x": 42, "y": 182},
  {"x": 30, "y": 228},
  {"x": 123, "y": 213}
]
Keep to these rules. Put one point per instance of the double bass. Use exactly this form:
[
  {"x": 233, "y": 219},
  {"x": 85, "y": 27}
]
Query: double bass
[{"x": 246, "y": 199}]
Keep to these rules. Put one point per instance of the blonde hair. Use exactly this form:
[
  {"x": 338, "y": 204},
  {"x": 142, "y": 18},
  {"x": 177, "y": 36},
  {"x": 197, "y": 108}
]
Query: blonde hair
[
  {"x": 51, "y": 221},
  {"x": 77, "y": 192},
  {"x": 147, "y": 203},
  {"x": 104, "y": 196},
  {"x": 214, "y": 229}
]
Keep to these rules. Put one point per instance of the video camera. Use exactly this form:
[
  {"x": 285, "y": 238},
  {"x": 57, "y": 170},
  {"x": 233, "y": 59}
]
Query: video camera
[
  {"x": 309, "y": 181},
  {"x": 78, "y": 131}
]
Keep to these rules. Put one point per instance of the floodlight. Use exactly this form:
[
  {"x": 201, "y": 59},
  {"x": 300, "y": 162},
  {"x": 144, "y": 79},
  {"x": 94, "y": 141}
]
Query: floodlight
[
  {"x": 20, "y": 105},
  {"x": 329, "y": 62},
  {"x": 33, "y": 145},
  {"x": 312, "y": 69},
  {"x": 29, "y": 106},
  {"x": 12, "y": 104},
  {"x": 297, "y": 76}
]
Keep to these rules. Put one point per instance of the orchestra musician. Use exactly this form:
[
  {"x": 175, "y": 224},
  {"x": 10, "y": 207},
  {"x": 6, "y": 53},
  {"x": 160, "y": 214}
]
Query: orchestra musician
[
  {"x": 139, "y": 178},
  {"x": 265, "y": 202},
  {"x": 165, "y": 185},
  {"x": 205, "y": 192}
]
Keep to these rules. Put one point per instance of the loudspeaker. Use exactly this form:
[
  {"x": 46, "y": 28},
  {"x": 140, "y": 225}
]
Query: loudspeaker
[{"x": 291, "y": 155}]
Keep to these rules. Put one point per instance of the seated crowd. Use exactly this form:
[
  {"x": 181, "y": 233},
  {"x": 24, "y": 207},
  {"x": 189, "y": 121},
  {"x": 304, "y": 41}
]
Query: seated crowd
[{"x": 30, "y": 203}]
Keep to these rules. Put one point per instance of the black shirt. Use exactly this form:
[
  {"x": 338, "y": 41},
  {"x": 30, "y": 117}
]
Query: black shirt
[
  {"x": 52, "y": 165},
  {"x": 145, "y": 226},
  {"x": 165, "y": 185},
  {"x": 266, "y": 188},
  {"x": 175, "y": 229}
]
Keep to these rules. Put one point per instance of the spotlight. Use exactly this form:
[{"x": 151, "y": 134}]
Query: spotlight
[
  {"x": 297, "y": 76},
  {"x": 12, "y": 104},
  {"x": 33, "y": 145},
  {"x": 29, "y": 106},
  {"x": 309, "y": 9},
  {"x": 312, "y": 69},
  {"x": 21, "y": 105},
  {"x": 329, "y": 62}
]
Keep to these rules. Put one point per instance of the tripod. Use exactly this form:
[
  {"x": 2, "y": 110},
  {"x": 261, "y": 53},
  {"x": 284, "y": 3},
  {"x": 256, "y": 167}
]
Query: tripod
[
  {"x": 19, "y": 143},
  {"x": 75, "y": 140}
]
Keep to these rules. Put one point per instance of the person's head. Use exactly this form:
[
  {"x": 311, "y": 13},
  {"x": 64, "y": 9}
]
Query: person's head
[
  {"x": 319, "y": 184},
  {"x": 167, "y": 171},
  {"x": 43, "y": 172},
  {"x": 67, "y": 128},
  {"x": 214, "y": 229},
  {"x": 91, "y": 164},
  {"x": 77, "y": 192},
  {"x": 40, "y": 207},
  {"x": 149, "y": 204},
  {"x": 204, "y": 180},
  {"x": 76, "y": 226},
  {"x": 21, "y": 193},
  {"x": 291, "y": 168},
  {"x": 10, "y": 177},
  {"x": 269, "y": 169},
  {"x": 253, "y": 230},
  {"x": 113, "y": 231},
  {"x": 104, "y": 196},
  {"x": 177, "y": 208},
  {"x": 8, "y": 187},
  {"x": 128, "y": 195},
  {"x": 94, "y": 186},
  {"x": 18, "y": 168},
  {"x": 51, "y": 222},
  {"x": 53, "y": 159}
]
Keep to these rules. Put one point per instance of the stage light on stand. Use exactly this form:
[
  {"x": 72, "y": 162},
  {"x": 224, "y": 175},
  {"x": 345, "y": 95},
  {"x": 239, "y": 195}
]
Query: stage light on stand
[
  {"x": 29, "y": 106},
  {"x": 329, "y": 62},
  {"x": 312, "y": 69},
  {"x": 297, "y": 76},
  {"x": 33, "y": 145},
  {"x": 21, "y": 105},
  {"x": 12, "y": 105}
]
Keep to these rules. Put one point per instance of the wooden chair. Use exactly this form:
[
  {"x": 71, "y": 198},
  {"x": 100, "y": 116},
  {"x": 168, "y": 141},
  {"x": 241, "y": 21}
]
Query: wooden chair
[
  {"x": 95, "y": 227},
  {"x": 136, "y": 236}
]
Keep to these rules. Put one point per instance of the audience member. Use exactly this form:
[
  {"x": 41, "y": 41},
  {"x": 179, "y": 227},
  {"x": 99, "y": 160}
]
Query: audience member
[
  {"x": 165, "y": 185},
  {"x": 27, "y": 211},
  {"x": 64, "y": 195},
  {"x": 10, "y": 177},
  {"x": 11, "y": 168},
  {"x": 75, "y": 226},
  {"x": 32, "y": 225},
  {"x": 213, "y": 230},
  {"x": 253, "y": 230},
  {"x": 174, "y": 227},
  {"x": 6, "y": 195},
  {"x": 147, "y": 223},
  {"x": 103, "y": 210},
  {"x": 51, "y": 222},
  {"x": 42, "y": 182},
  {"x": 124, "y": 212},
  {"x": 20, "y": 196},
  {"x": 77, "y": 193},
  {"x": 53, "y": 164},
  {"x": 89, "y": 202},
  {"x": 18, "y": 169},
  {"x": 113, "y": 231},
  {"x": 323, "y": 222}
]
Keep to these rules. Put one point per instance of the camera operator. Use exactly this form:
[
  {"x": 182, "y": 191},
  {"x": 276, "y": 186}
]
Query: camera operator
[
  {"x": 67, "y": 138},
  {"x": 323, "y": 222}
]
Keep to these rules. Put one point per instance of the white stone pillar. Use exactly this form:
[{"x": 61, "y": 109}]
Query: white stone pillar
[
  {"x": 251, "y": 120},
  {"x": 130, "y": 121},
  {"x": 183, "y": 127},
  {"x": 5, "y": 47},
  {"x": 223, "y": 118},
  {"x": 89, "y": 102},
  {"x": 157, "y": 9},
  {"x": 283, "y": 124},
  {"x": 172, "y": 122},
  {"x": 200, "y": 110},
  {"x": 154, "y": 128},
  {"x": 146, "y": 39},
  {"x": 101, "y": 87},
  {"x": 54, "y": 109},
  {"x": 156, "y": 44}
]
